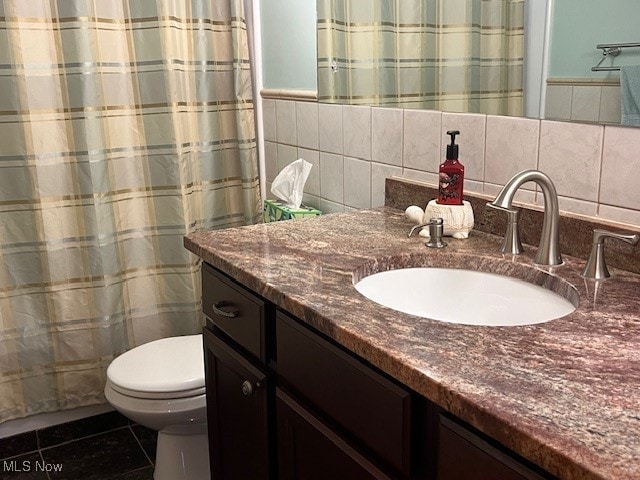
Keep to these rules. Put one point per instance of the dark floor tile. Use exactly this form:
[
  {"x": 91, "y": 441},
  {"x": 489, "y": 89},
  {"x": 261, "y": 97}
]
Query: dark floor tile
[
  {"x": 18, "y": 444},
  {"x": 144, "y": 474},
  {"x": 84, "y": 427},
  {"x": 96, "y": 458},
  {"x": 24, "y": 467},
  {"x": 148, "y": 439}
]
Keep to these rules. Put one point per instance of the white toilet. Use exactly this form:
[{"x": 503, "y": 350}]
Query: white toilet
[{"x": 161, "y": 385}]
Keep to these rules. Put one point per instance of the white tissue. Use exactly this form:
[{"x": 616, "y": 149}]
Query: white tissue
[{"x": 288, "y": 185}]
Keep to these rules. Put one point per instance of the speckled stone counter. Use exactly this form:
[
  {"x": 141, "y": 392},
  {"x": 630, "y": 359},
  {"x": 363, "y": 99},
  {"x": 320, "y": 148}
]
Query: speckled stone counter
[{"x": 564, "y": 394}]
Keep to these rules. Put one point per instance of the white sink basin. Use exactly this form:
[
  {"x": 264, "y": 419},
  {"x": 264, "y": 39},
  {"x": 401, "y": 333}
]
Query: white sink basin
[{"x": 464, "y": 296}]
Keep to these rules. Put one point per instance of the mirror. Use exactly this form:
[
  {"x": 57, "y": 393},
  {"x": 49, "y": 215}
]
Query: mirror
[{"x": 554, "y": 81}]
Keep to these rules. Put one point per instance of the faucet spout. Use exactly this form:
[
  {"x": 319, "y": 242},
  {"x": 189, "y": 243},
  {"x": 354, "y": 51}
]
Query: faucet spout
[{"x": 549, "y": 249}]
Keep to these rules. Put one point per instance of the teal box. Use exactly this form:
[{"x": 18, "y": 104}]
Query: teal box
[{"x": 275, "y": 210}]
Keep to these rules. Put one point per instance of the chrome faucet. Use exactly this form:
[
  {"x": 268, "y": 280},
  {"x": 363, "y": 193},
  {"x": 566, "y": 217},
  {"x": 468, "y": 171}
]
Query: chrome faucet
[
  {"x": 596, "y": 267},
  {"x": 549, "y": 249}
]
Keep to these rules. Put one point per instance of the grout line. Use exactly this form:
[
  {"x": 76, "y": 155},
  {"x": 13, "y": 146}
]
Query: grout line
[
  {"x": 18, "y": 455},
  {"x": 141, "y": 447},
  {"x": 82, "y": 438},
  {"x": 43, "y": 462},
  {"x": 600, "y": 170},
  {"x": 37, "y": 437}
]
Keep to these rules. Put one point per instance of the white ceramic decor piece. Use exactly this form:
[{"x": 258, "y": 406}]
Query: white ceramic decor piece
[
  {"x": 458, "y": 219},
  {"x": 415, "y": 214}
]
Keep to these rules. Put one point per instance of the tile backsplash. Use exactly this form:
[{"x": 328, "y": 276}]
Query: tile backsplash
[{"x": 354, "y": 148}]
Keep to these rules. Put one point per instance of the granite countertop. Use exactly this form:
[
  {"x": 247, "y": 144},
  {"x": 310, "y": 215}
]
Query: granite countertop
[{"x": 563, "y": 394}]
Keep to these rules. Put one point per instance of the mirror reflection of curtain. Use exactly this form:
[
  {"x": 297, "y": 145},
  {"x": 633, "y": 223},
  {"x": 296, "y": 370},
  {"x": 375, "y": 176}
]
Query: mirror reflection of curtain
[
  {"x": 451, "y": 55},
  {"x": 123, "y": 126}
]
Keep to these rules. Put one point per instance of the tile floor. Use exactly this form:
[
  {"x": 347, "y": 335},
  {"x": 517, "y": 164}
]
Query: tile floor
[{"x": 103, "y": 447}]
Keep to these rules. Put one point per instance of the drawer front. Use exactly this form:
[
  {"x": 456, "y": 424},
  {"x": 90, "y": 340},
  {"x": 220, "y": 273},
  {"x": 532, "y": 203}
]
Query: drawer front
[
  {"x": 370, "y": 407},
  {"x": 235, "y": 311},
  {"x": 462, "y": 454}
]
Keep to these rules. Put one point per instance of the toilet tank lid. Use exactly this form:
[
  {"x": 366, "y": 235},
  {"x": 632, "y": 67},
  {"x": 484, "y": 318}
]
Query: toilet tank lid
[{"x": 170, "y": 364}]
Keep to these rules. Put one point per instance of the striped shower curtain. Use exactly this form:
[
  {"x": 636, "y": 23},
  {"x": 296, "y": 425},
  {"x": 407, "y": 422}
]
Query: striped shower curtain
[
  {"x": 124, "y": 125},
  {"x": 450, "y": 55}
]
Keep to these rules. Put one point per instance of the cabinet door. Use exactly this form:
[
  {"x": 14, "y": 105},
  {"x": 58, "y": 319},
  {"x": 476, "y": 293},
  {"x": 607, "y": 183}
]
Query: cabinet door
[
  {"x": 308, "y": 450},
  {"x": 364, "y": 403},
  {"x": 237, "y": 413},
  {"x": 462, "y": 454}
]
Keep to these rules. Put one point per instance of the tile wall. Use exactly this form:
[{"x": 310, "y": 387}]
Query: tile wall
[
  {"x": 583, "y": 101},
  {"x": 354, "y": 148}
]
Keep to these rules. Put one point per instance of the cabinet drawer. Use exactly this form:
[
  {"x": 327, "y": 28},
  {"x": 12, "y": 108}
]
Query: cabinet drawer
[
  {"x": 235, "y": 311},
  {"x": 361, "y": 401},
  {"x": 462, "y": 454}
]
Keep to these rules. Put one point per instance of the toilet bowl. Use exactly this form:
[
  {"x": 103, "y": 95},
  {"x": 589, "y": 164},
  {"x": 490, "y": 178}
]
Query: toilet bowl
[{"x": 160, "y": 385}]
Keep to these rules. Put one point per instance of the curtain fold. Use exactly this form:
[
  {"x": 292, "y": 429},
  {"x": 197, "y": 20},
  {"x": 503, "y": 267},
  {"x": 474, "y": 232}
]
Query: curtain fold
[
  {"x": 450, "y": 55},
  {"x": 124, "y": 125}
]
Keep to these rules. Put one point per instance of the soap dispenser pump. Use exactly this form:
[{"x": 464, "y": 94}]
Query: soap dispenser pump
[{"x": 451, "y": 175}]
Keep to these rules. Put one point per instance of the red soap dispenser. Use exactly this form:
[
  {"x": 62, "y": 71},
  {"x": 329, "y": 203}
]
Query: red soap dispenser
[{"x": 451, "y": 175}]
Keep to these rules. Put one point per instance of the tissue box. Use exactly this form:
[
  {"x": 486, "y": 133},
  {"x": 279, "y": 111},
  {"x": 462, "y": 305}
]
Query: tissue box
[{"x": 275, "y": 210}]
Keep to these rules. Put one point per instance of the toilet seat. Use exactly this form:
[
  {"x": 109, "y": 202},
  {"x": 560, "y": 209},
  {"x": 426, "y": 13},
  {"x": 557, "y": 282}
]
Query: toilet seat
[
  {"x": 157, "y": 395},
  {"x": 162, "y": 369}
]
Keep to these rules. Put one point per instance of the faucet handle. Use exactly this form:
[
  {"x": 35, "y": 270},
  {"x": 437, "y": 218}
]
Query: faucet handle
[
  {"x": 596, "y": 266},
  {"x": 511, "y": 243}
]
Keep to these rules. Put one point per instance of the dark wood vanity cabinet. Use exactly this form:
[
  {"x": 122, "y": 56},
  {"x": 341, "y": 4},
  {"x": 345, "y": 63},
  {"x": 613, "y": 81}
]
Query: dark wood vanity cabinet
[
  {"x": 238, "y": 380},
  {"x": 285, "y": 402}
]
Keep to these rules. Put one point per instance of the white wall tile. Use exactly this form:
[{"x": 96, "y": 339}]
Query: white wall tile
[
  {"x": 610, "y": 107},
  {"x": 492, "y": 149},
  {"x": 330, "y": 128},
  {"x": 327, "y": 206},
  {"x": 512, "y": 146},
  {"x": 429, "y": 178},
  {"x": 386, "y": 135},
  {"x": 573, "y": 205},
  {"x": 471, "y": 141},
  {"x": 312, "y": 187},
  {"x": 473, "y": 186},
  {"x": 269, "y": 119},
  {"x": 570, "y": 154},
  {"x": 307, "y": 124},
  {"x": 332, "y": 177},
  {"x": 617, "y": 214},
  {"x": 558, "y": 102},
  {"x": 356, "y": 127},
  {"x": 286, "y": 122},
  {"x": 522, "y": 196},
  {"x": 620, "y": 182},
  {"x": 357, "y": 183},
  {"x": 421, "y": 143},
  {"x": 379, "y": 172},
  {"x": 585, "y": 103},
  {"x": 286, "y": 155},
  {"x": 311, "y": 200},
  {"x": 271, "y": 160}
]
